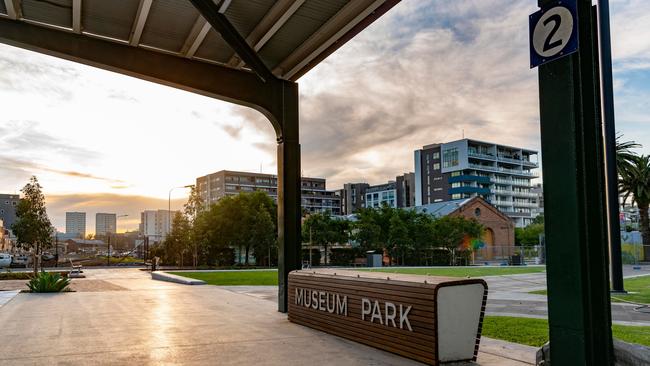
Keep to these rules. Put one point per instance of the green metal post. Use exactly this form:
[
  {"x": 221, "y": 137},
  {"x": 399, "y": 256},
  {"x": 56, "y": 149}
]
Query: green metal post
[
  {"x": 575, "y": 210},
  {"x": 289, "y": 213}
]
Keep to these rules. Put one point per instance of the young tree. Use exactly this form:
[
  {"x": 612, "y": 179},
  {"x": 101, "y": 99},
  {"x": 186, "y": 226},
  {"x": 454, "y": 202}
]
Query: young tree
[
  {"x": 192, "y": 208},
  {"x": 177, "y": 243},
  {"x": 399, "y": 240},
  {"x": 32, "y": 228},
  {"x": 634, "y": 182}
]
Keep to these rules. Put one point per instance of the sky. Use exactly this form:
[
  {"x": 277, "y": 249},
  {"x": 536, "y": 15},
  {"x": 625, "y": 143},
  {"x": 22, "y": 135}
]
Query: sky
[{"x": 428, "y": 71}]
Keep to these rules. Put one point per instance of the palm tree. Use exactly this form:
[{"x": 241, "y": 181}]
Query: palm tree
[
  {"x": 634, "y": 181},
  {"x": 624, "y": 154}
]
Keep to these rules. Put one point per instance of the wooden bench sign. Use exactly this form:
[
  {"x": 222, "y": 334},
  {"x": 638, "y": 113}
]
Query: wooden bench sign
[{"x": 429, "y": 319}]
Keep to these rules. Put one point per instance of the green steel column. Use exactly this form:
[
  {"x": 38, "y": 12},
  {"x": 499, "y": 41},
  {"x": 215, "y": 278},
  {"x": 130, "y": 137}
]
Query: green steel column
[
  {"x": 574, "y": 198},
  {"x": 289, "y": 212}
]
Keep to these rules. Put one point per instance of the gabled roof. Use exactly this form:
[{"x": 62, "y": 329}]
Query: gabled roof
[{"x": 442, "y": 208}]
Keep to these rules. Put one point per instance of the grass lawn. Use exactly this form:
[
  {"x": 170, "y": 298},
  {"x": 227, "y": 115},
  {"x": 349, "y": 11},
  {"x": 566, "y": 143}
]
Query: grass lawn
[
  {"x": 234, "y": 278},
  {"x": 534, "y": 332},
  {"x": 463, "y": 271},
  {"x": 640, "y": 286}
]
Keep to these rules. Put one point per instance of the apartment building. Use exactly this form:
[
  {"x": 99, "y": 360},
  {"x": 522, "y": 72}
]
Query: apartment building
[
  {"x": 75, "y": 225},
  {"x": 8, "y": 203},
  {"x": 156, "y": 224},
  {"x": 377, "y": 196},
  {"x": 105, "y": 224},
  {"x": 353, "y": 197},
  {"x": 467, "y": 168},
  {"x": 405, "y": 190},
  {"x": 315, "y": 196}
]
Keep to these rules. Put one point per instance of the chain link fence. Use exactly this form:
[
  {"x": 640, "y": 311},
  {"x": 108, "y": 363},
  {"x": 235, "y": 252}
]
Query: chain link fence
[{"x": 510, "y": 255}]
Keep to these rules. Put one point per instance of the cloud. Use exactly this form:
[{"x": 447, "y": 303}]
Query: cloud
[
  {"x": 426, "y": 72},
  {"x": 17, "y": 165},
  {"x": 131, "y": 205},
  {"x": 26, "y": 137}
]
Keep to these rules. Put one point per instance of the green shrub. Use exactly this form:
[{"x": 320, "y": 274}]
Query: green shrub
[
  {"x": 48, "y": 282},
  {"x": 24, "y": 275}
]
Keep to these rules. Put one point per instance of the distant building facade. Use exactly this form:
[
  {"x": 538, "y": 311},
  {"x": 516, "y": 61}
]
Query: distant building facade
[
  {"x": 405, "y": 190},
  {"x": 105, "y": 224},
  {"x": 5, "y": 242},
  {"x": 538, "y": 190},
  {"x": 8, "y": 203},
  {"x": 315, "y": 197},
  {"x": 353, "y": 197},
  {"x": 75, "y": 224},
  {"x": 382, "y": 194},
  {"x": 467, "y": 168},
  {"x": 156, "y": 224}
]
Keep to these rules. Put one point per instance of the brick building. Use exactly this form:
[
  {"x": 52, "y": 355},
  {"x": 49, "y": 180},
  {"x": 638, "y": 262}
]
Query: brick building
[{"x": 499, "y": 234}]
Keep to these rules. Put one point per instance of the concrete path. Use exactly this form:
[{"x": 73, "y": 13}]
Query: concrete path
[{"x": 122, "y": 317}]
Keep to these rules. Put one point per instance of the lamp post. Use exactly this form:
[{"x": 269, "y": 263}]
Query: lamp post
[
  {"x": 169, "y": 207},
  {"x": 108, "y": 247}
]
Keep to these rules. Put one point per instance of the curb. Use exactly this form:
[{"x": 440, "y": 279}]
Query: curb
[{"x": 168, "y": 277}]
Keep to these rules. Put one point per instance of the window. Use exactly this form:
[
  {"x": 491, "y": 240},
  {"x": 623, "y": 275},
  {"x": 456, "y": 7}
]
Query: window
[
  {"x": 456, "y": 196},
  {"x": 450, "y": 157},
  {"x": 456, "y": 185},
  {"x": 437, "y": 189},
  {"x": 437, "y": 178},
  {"x": 455, "y": 174},
  {"x": 436, "y": 155},
  {"x": 436, "y": 166}
]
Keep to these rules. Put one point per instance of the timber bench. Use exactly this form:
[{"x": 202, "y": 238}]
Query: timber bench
[{"x": 429, "y": 319}]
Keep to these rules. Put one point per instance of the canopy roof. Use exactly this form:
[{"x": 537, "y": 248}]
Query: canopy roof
[{"x": 289, "y": 36}]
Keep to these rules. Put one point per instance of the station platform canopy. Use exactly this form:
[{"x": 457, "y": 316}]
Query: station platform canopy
[{"x": 289, "y": 37}]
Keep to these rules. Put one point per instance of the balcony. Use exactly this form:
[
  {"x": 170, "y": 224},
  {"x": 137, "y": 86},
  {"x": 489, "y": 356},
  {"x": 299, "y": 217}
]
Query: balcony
[
  {"x": 475, "y": 154},
  {"x": 470, "y": 189},
  {"x": 469, "y": 178}
]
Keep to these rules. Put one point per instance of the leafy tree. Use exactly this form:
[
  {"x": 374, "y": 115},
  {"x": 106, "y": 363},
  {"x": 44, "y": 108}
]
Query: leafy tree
[
  {"x": 450, "y": 231},
  {"x": 399, "y": 240},
  {"x": 191, "y": 210},
  {"x": 529, "y": 235},
  {"x": 323, "y": 230},
  {"x": 634, "y": 182},
  {"x": 32, "y": 228},
  {"x": 178, "y": 242},
  {"x": 263, "y": 236}
]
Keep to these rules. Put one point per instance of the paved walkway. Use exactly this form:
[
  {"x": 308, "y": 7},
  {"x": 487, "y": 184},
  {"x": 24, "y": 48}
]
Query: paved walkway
[{"x": 121, "y": 316}]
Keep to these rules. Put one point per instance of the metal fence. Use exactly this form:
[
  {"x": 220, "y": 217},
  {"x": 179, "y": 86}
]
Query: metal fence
[{"x": 501, "y": 254}]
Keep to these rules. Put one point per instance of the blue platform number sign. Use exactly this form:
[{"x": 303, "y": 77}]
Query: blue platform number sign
[{"x": 553, "y": 32}]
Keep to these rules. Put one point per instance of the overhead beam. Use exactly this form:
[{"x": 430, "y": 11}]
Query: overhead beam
[
  {"x": 211, "y": 12},
  {"x": 221, "y": 82},
  {"x": 140, "y": 20},
  {"x": 76, "y": 16},
  {"x": 351, "y": 14},
  {"x": 281, "y": 11},
  {"x": 13, "y": 9},
  {"x": 197, "y": 35}
]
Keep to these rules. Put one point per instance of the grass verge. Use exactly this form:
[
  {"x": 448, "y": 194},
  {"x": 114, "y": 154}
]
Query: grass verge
[
  {"x": 463, "y": 271},
  {"x": 234, "y": 278},
  {"x": 639, "y": 288},
  {"x": 534, "y": 332}
]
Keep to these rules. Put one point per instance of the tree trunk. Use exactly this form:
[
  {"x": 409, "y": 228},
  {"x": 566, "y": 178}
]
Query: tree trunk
[
  {"x": 645, "y": 231},
  {"x": 325, "y": 246}
]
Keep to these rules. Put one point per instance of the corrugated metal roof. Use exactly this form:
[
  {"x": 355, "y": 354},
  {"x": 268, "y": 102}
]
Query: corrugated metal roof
[
  {"x": 113, "y": 19},
  {"x": 56, "y": 12},
  {"x": 278, "y": 28},
  {"x": 442, "y": 208}
]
